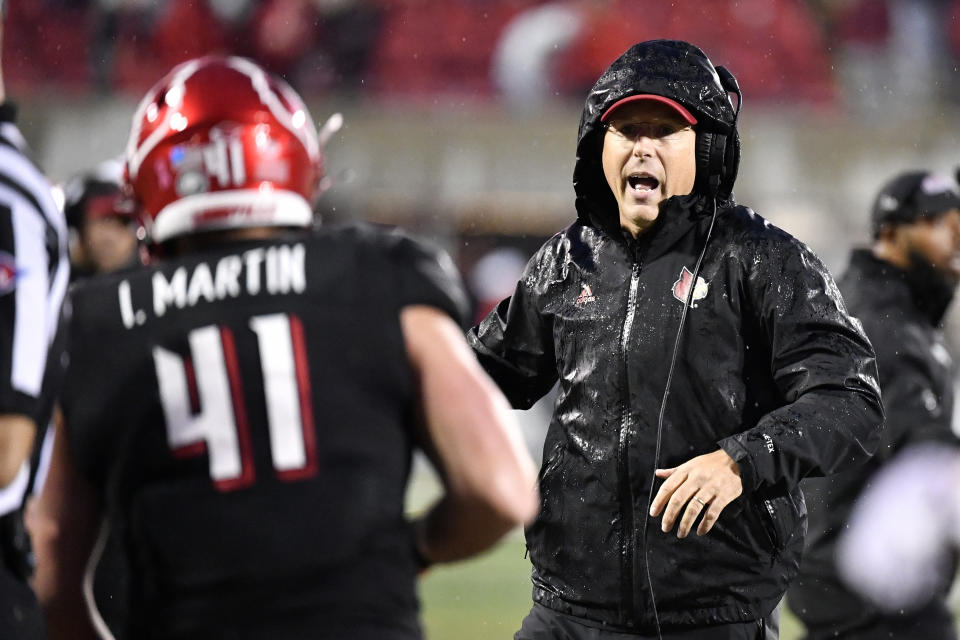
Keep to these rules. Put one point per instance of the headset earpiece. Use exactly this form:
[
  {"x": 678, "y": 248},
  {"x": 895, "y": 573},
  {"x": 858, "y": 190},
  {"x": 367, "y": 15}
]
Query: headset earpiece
[
  {"x": 711, "y": 156},
  {"x": 731, "y": 165},
  {"x": 718, "y": 154}
]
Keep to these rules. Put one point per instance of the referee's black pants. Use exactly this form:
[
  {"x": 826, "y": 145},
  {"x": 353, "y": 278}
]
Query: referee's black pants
[{"x": 546, "y": 624}]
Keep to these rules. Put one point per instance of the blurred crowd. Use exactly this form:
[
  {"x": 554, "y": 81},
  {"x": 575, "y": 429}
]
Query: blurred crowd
[
  {"x": 820, "y": 52},
  {"x": 830, "y": 55}
]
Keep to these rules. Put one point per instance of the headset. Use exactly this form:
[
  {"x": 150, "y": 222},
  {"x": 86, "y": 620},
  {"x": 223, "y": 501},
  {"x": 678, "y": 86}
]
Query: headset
[
  {"x": 718, "y": 158},
  {"x": 718, "y": 153}
]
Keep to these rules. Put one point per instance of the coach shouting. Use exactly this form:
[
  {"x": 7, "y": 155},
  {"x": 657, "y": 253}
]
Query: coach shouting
[{"x": 706, "y": 363}]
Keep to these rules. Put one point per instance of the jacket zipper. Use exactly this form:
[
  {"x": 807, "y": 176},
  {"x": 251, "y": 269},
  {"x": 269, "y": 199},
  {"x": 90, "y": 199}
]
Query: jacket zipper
[{"x": 627, "y": 592}]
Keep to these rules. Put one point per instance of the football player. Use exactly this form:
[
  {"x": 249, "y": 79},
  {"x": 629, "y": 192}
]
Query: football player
[{"x": 241, "y": 413}]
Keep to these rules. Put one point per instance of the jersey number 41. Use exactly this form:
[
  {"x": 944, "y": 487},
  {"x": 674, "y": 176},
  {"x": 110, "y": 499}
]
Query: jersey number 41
[{"x": 203, "y": 401}]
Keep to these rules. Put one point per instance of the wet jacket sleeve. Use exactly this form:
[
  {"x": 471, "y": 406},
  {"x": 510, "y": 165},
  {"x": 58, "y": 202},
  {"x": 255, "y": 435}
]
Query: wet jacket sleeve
[
  {"x": 514, "y": 343},
  {"x": 823, "y": 366}
]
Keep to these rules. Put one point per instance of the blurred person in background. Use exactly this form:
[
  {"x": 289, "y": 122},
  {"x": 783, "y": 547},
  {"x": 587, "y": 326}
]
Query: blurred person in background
[
  {"x": 493, "y": 277},
  {"x": 771, "y": 379},
  {"x": 900, "y": 545},
  {"x": 899, "y": 288},
  {"x": 102, "y": 240},
  {"x": 34, "y": 271},
  {"x": 103, "y": 230},
  {"x": 242, "y": 411}
]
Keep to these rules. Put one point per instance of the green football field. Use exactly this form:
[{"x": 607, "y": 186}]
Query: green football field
[{"x": 486, "y": 598}]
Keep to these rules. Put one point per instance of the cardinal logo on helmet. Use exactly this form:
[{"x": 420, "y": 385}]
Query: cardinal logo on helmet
[{"x": 681, "y": 288}]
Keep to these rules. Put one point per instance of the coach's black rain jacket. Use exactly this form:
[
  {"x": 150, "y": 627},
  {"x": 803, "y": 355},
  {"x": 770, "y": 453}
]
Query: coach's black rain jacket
[{"x": 770, "y": 367}]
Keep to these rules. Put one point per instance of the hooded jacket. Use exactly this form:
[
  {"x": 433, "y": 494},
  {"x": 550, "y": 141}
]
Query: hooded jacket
[
  {"x": 902, "y": 312},
  {"x": 770, "y": 367}
]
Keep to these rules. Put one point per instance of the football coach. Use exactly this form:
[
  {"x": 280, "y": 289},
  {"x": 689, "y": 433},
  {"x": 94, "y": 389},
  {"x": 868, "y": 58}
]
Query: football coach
[{"x": 706, "y": 363}]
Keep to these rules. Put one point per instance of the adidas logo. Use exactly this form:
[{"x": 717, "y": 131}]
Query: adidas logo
[{"x": 586, "y": 295}]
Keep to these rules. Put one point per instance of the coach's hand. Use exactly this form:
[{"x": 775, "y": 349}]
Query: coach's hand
[{"x": 705, "y": 484}]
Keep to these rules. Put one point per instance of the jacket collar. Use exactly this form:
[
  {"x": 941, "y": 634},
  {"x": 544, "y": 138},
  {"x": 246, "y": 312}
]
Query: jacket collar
[{"x": 678, "y": 216}]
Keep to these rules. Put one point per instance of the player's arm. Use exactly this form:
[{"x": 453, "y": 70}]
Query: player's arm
[
  {"x": 470, "y": 434},
  {"x": 16, "y": 441},
  {"x": 63, "y": 524}
]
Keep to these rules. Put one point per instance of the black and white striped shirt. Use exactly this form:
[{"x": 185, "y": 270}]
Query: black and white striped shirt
[{"x": 34, "y": 272}]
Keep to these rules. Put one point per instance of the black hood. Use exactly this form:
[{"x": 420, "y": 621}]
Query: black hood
[{"x": 670, "y": 68}]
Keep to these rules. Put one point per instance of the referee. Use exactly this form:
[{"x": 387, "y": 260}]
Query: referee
[{"x": 34, "y": 270}]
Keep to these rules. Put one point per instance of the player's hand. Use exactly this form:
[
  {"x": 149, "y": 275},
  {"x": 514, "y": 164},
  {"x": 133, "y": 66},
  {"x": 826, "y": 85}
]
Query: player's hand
[{"x": 702, "y": 485}]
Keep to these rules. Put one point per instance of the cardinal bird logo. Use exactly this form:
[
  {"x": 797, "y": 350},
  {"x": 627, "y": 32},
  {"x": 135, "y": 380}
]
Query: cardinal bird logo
[{"x": 681, "y": 288}]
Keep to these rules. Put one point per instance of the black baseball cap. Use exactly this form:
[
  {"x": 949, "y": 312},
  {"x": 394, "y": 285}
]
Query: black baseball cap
[{"x": 914, "y": 195}]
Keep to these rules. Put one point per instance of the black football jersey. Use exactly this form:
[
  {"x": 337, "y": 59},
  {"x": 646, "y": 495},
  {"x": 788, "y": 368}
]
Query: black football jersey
[{"x": 246, "y": 412}]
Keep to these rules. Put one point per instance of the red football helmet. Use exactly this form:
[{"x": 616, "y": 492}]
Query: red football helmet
[{"x": 219, "y": 143}]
